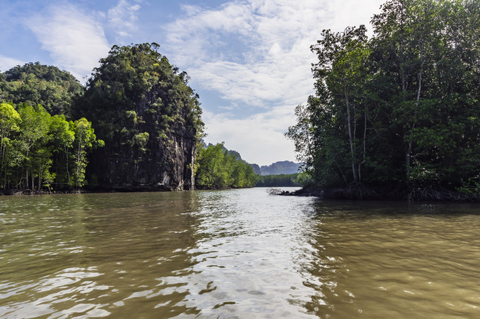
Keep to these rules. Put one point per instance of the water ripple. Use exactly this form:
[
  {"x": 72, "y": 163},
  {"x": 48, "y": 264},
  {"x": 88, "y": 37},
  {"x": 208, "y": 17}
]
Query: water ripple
[{"x": 235, "y": 254}]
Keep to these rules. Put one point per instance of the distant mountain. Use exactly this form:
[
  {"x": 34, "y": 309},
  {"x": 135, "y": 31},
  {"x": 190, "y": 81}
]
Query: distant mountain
[
  {"x": 278, "y": 168},
  {"x": 256, "y": 168},
  {"x": 236, "y": 154},
  {"x": 283, "y": 167},
  {"x": 231, "y": 152}
]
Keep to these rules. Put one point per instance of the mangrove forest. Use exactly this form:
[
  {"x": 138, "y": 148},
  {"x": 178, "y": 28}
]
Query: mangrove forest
[{"x": 397, "y": 114}]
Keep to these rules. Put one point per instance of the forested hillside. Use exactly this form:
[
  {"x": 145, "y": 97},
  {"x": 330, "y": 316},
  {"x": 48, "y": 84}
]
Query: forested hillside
[
  {"x": 278, "y": 180},
  {"x": 141, "y": 107},
  {"x": 149, "y": 118},
  {"x": 35, "y": 84},
  {"x": 39, "y": 151},
  {"x": 397, "y": 114},
  {"x": 278, "y": 168},
  {"x": 218, "y": 167}
]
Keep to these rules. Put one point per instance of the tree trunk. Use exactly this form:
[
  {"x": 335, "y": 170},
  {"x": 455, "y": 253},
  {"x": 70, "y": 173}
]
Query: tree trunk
[
  {"x": 350, "y": 135},
  {"x": 66, "y": 158},
  {"x": 402, "y": 60},
  {"x": 417, "y": 102},
  {"x": 79, "y": 150},
  {"x": 39, "y": 177},
  {"x": 33, "y": 179},
  {"x": 364, "y": 146}
]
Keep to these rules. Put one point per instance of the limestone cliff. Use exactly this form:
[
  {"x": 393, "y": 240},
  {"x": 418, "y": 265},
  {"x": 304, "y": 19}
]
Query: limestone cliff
[{"x": 149, "y": 118}]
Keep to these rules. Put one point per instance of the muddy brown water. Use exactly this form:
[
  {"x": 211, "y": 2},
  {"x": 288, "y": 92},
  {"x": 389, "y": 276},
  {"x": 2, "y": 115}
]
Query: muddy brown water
[{"x": 236, "y": 254}]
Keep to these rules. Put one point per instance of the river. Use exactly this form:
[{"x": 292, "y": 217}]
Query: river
[{"x": 236, "y": 254}]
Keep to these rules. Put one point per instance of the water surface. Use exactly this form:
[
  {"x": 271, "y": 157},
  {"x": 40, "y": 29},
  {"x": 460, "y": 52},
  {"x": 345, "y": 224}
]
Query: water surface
[{"x": 236, "y": 254}]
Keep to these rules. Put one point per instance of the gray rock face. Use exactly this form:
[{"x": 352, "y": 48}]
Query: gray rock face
[
  {"x": 166, "y": 165},
  {"x": 256, "y": 168},
  {"x": 278, "y": 168},
  {"x": 282, "y": 167}
]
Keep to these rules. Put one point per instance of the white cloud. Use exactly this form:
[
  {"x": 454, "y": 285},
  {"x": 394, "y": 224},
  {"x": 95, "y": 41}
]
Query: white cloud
[
  {"x": 258, "y": 138},
  {"x": 257, "y": 53},
  {"x": 191, "y": 10},
  {"x": 354, "y": 13},
  {"x": 232, "y": 106},
  {"x": 75, "y": 40},
  {"x": 122, "y": 18},
  {"x": 264, "y": 45},
  {"x": 7, "y": 63}
]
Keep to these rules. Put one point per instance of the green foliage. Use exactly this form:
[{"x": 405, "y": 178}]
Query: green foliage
[
  {"x": 217, "y": 168},
  {"x": 84, "y": 140},
  {"x": 278, "y": 180},
  {"x": 9, "y": 120},
  {"x": 39, "y": 151},
  {"x": 35, "y": 84},
  {"x": 402, "y": 106},
  {"x": 138, "y": 103},
  {"x": 304, "y": 179},
  {"x": 144, "y": 110}
]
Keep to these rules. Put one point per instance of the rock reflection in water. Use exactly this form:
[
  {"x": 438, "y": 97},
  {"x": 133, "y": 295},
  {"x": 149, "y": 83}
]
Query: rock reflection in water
[
  {"x": 96, "y": 256},
  {"x": 394, "y": 260},
  {"x": 235, "y": 254}
]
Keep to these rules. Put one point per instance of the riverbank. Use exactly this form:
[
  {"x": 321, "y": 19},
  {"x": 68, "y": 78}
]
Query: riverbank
[
  {"x": 18, "y": 192},
  {"x": 360, "y": 191},
  {"x": 236, "y": 249},
  {"x": 140, "y": 189},
  {"x": 204, "y": 188}
]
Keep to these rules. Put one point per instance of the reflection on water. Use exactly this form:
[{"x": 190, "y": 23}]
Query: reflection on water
[{"x": 236, "y": 254}]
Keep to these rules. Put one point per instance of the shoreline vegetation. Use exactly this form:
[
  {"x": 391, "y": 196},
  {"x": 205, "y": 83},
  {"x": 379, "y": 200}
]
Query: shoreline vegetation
[
  {"x": 358, "y": 192},
  {"x": 145, "y": 115},
  {"x": 140, "y": 189},
  {"x": 353, "y": 192},
  {"x": 400, "y": 193},
  {"x": 281, "y": 180},
  {"x": 396, "y": 115}
]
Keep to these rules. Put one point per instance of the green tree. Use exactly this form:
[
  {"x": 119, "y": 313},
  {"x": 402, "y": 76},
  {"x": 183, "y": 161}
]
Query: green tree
[
  {"x": 34, "y": 84},
  {"x": 9, "y": 120},
  {"x": 62, "y": 136},
  {"x": 32, "y": 140},
  {"x": 84, "y": 141},
  {"x": 219, "y": 168},
  {"x": 149, "y": 117},
  {"x": 342, "y": 69},
  {"x": 401, "y": 108}
]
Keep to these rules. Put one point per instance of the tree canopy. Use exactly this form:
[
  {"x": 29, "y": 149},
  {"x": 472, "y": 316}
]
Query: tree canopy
[
  {"x": 148, "y": 116},
  {"x": 34, "y": 83},
  {"x": 38, "y": 150},
  {"x": 219, "y": 168},
  {"x": 401, "y": 108},
  {"x": 278, "y": 180}
]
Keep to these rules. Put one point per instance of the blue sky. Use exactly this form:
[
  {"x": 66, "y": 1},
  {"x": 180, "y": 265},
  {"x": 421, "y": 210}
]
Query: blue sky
[{"x": 248, "y": 60}]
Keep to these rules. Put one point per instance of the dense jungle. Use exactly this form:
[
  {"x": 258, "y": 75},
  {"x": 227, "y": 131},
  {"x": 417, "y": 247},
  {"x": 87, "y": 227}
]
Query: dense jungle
[
  {"x": 396, "y": 115},
  {"x": 135, "y": 125}
]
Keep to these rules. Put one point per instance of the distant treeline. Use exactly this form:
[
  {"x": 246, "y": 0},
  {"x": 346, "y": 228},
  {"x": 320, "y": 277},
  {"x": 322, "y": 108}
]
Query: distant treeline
[
  {"x": 398, "y": 114},
  {"x": 38, "y": 150},
  {"x": 217, "y": 168},
  {"x": 278, "y": 180},
  {"x": 139, "y": 104}
]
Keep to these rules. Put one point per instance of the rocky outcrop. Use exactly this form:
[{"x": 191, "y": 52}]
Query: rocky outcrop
[
  {"x": 256, "y": 169},
  {"x": 164, "y": 164},
  {"x": 149, "y": 118},
  {"x": 282, "y": 167}
]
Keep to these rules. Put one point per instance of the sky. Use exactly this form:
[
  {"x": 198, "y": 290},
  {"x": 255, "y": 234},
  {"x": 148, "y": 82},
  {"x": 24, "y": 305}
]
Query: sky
[{"x": 249, "y": 60}]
